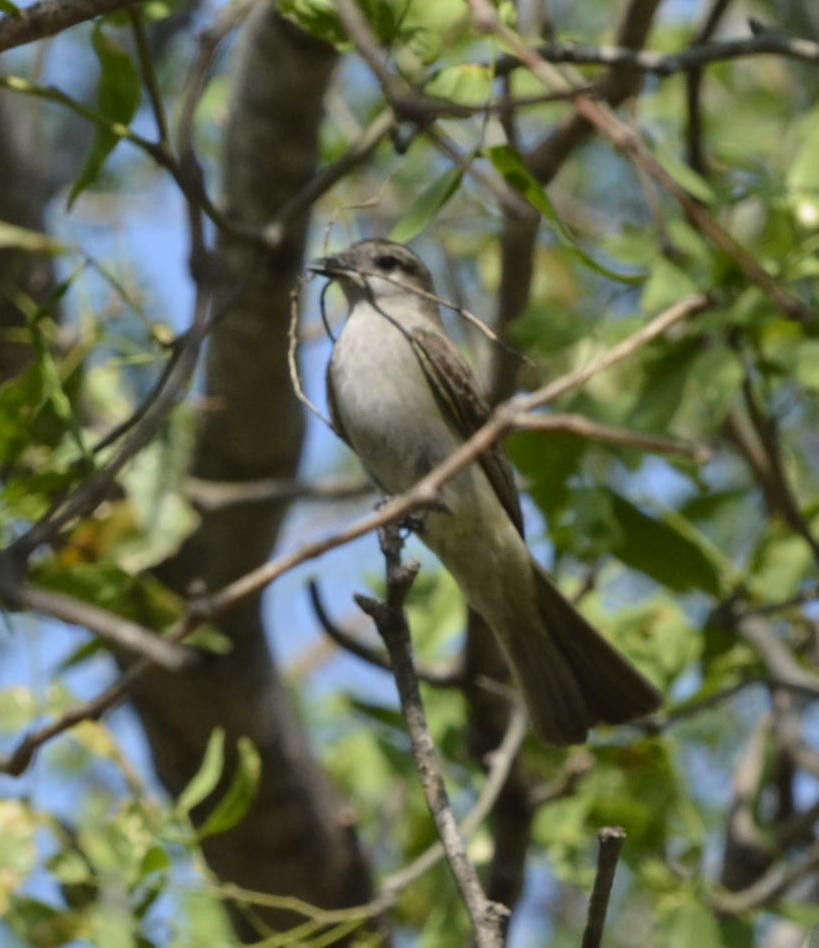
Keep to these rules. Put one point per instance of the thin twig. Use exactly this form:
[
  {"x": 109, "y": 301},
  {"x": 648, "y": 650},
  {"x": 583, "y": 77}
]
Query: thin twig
[
  {"x": 486, "y": 917},
  {"x": 219, "y": 495},
  {"x": 91, "y": 492},
  {"x": 149, "y": 77},
  {"x": 767, "y": 431},
  {"x": 293, "y": 359},
  {"x": 610, "y": 840},
  {"x": 19, "y": 759},
  {"x": 693, "y": 89},
  {"x": 107, "y": 625},
  {"x": 667, "y": 64},
  {"x": 328, "y": 176},
  {"x": 499, "y": 769},
  {"x": 586, "y": 428},
  {"x": 396, "y": 883},
  {"x": 448, "y": 678}
]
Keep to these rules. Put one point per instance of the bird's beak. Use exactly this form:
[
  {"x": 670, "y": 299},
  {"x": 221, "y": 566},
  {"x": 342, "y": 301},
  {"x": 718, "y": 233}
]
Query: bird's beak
[{"x": 332, "y": 266}]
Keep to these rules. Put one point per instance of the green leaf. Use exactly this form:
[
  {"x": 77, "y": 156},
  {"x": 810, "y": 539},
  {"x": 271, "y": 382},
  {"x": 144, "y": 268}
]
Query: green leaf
[
  {"x": 241, "y": 793},
  {"x": 510, "y": 165},
  {"x": 669, "y": 550},
  {"x": 805, "y": 914},
  {"x": 319, "y": 18},
  {"x": 6, "y": 6},
  {"x": 429, "y": 203},
  {"x": 316, "y": 17},
  {"x": 18, "y": 850},
  {"x": 664, "y": 382},
  {"x": 210, "y": 639},
  {"x": 141, "y": 598},
  {"x": 806, "y": 364},
  {"x": 693, "y": 924},
  {"x": 803, "y": 174},
  {"x": 204, "y": 781},
  {"x": 684, "y": 174},
  {"x": 155, "y": 860},
  {"x": 667, "y": 284},
  {"x": 467, "y": 84},
  {"x": 22, "y": 238},
  {"x": 547, "y": 459},
  {"x": 118, "y": 93},
  {"x": 780, "y": 564}
]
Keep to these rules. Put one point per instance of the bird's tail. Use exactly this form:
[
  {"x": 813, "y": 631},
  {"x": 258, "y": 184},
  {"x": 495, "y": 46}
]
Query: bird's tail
[{"x": 570, "y": 676}]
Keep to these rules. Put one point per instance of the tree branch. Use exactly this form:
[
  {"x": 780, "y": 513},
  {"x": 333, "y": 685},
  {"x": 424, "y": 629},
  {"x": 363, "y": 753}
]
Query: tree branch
[
  {"x": 107, "y": 625},
  {"x": 50, "y": 17},
  {"x": 451, "y": 678},
  {"x": 486, "y": 917},
  {"x": 667, "y": 64},
  {"x": 610, "y": 840}
]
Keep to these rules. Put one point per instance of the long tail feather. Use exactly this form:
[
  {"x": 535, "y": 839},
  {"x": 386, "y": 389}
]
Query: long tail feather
[{"x": 570, "y": 676}]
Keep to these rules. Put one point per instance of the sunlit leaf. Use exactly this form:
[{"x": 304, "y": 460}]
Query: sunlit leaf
[
  {"x": 118, "y": 93},
  {"x": 429, "y": 203},
  {"x": 668, "y": 550},
  {"x": 18, "y": 850},
  {"x": 32, "y": 240},
  {"x": 510, "y": 165},
  {"x": 693, "y": 924},
  {"x": 204, "y": 781},
  {"x": 232, "y": 808},
  {"x": 466, "y": 83}
]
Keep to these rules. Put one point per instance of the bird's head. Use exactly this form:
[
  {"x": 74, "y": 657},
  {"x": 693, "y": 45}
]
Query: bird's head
[{"x": 380, "y": 271}]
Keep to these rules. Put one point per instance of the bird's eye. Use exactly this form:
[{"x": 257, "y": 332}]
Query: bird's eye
[{"x": 387, "y": 262}]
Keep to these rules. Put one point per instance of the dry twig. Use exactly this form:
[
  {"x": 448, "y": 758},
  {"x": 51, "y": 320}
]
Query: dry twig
[{"x": 486, "y": 917}]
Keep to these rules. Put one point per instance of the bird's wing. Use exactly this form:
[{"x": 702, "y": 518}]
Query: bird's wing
[{"x": 454, "y": 387}]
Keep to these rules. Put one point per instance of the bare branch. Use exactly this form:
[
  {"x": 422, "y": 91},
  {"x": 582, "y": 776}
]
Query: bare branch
[
  {"x": 107, "y": 625},
  {"x": 610, "y": 839},
  {"x": 770, "y": 886},
  {"x": 667, "y": 64},
  {"x": 693, "y": 89},
  {"x": 501, "y": 762},
  {"x": 19, "y": 759},
  {"x": 50, "y": 17},
  {"x": 218, "y": 495},
  {"x": 450, "y": 678},
  {"x": 586, "y": 428},
  {"x": 776, "y": 656},
  {"x": 486, "y": 917}
]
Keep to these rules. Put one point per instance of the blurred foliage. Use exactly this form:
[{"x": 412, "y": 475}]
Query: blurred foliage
[{"x": 662, "y": 545}]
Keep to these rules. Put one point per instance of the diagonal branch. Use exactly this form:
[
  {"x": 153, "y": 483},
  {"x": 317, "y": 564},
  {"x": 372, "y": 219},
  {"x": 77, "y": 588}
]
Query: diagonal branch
[{"x": 50, "y": 17}]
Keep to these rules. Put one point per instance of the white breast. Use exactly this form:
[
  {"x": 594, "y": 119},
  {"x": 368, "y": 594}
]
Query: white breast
[{"x": 384, "y": 401}]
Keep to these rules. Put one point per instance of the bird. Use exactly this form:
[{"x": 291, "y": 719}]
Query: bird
[{"x": 404, "y": 398}]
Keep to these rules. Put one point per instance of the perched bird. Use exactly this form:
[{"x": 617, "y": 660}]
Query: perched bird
[{"x": 402, "y": 396}]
